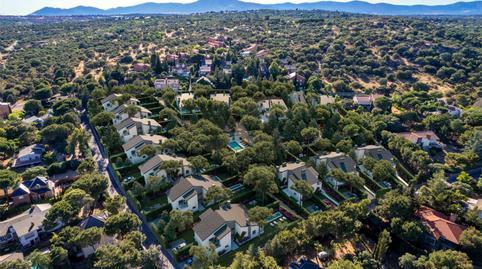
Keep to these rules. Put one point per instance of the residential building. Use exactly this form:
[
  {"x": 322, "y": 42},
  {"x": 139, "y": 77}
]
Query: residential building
[
  {"x": 336, "y": 160},
  {"x": 180, "y": 98},
  {"x": 131, "y": 127},
  {"x": 221, "y": 97},
  {"x": 189, "y": 193},
  {"x": 289, "y": 173},
  {"x": 454, "y": 111},
  {"x": 25, "y": 228},
  {"x": 204, "y": 70},
  {"x": 323, "y": 100},
  {"x": 441, "y": 231},
  {"x": 425, "y": 139},
  {"x": 133, "y": 147},
  {"x": 262, "y": 54},
  {"x": 32, "y": 190},
  {"x": 152, "y": 168},
  {"x": 297, "y": 97},
  {"x": 165, "y": 83},
  {"x": 98, "y": 222},
  {"x": 296, "y": 78},
  {"x": 28, "y": 156},
  {"x": 225, "y": 228},
  {"x": 365, "y": 100},
  {"x": 373, "y": 151},
  {"x": 5, "y": 110},
  {"x": 110, "y": 102},
  {"x": 265, "y": 106},
  {"x": 141, "y": 68},
  {"x": 120, "y": 113}
]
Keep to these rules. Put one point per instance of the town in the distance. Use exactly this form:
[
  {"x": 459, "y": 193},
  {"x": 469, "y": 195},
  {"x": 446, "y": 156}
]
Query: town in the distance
[{"x": 241, "y": 140}]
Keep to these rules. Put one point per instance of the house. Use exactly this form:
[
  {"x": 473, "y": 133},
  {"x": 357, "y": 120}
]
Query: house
[
  {"x": 131, "y": 127},
  {"x": 28, "y": 156},
  {"x": 109, "y": 103},
  {"x": 250, "y": 50},
  {"x": 5, "y": 110},
  {"x": 180, "y": 98},
  {"x": 152, "y": 168},
  {"x": 265, "y": 106},
  {"x": 165, "y": 83},
  {"x": 373, "y": 151},
  {"x": 25, "y": 228},
  {"x": 296, "y": 78},
  {"x": 221, "y": 97},
  {"x": 216, "y": 42},
  {"x": 365, "y": 100},
  {"x": 442, "y": 231},
  {"x": 454, "y": 111},
  {"x": 133, "y": 147},
  {"x": 225, "y": 227},
  {"x": 425, "y": 139},
  {"x": 121, "y": 113},
  {"x": 289, "y": 173},
  {"x": 188, "y": 193},
  {"x": 31, "y": 190},
  {"x": 323, "y": 100},
  {"x": 141, "y": 68},
  {"x": 336, "y": 160},
  {"x": 297, "y": 97},
  {"x": 98, "y": 222},
  {"x": 204, "y": 70}
]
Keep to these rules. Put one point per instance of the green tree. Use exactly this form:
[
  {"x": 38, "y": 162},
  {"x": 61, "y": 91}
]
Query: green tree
[
  {"x": 8, "y": 179},
  {"x": 293, "y": 147},
  {"x": 203, "y": 257},
  {"x": 259, "y": 214},
  {"x": 87, "y": 166},
  {"x": 179, "y": 221},
  {"x": 261, "y": 178},
  {"x": 198, "y": 163},
  {"x": 93, "y": 184},
  {"x": 471, "y": 241},
  {"x": 394, "y": 205},
  {"x": 303, "y": 188},
  {"x": 344, "y": 264},
  {"x": 32, "y": 107},
  {"x": 310, "y": 134},
  {"x": 40, "y": 260},
  {"x": 384, "y": 240},
  {"x": 217, "y": 194},
  {"x": 89, "y": 237},
  {"x": 121, "y": 224},
  {"x": 17, "y": 264},
  {"x": 114, "y": 204},
  {"x": 32, "y": 172}
]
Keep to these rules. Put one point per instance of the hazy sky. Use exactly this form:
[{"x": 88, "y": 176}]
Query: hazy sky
[{"x": 22, "y": 7}]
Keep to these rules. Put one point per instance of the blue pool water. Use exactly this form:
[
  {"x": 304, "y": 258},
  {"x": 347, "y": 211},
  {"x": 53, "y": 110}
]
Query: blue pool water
[
  {"x": 235, "y": 146},
  {"x": 274, "y": 217}
]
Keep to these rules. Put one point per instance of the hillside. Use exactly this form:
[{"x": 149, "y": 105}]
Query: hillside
[{"x": 202, "y": 6}]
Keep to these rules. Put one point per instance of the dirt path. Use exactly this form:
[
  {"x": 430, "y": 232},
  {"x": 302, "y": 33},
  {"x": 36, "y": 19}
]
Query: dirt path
[
  {"x": 79, "y": 70},
  {"x": 4, "y": 56}
]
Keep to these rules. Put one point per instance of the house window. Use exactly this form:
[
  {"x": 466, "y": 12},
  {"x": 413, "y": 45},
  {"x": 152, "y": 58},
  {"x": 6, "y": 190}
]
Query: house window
[{"x": 254, "y": 232}]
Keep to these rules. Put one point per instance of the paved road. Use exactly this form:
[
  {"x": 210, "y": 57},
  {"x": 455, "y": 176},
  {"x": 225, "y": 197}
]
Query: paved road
[{"x": 102, "y": 159}]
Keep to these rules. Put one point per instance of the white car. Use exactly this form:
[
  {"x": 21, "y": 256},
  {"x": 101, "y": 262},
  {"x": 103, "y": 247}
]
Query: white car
[{"x": 323, "y": 255}]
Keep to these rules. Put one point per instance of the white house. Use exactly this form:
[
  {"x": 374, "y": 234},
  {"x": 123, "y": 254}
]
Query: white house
[
  {"x": 221, "y": 97},
  {"x": 133, "y": 147},
  {"x": 289, "y": 173},
  {"x": 131, "y": 127},
  {"x": 373, "y": 151},
  {"x": 365, "y": 100},
  {"x": 225, "y": 227},
  {"x": 425, "y": 139},
  {"x": 120, "y": 113},
  {"x": 266, "y": 105},
  {"x": 152, "y": 168},
  {"x": 165, "y": 83},
  {"x": 336, "y": 160},
  {"x": 180, "y": 98},
  {"x": 110, "y": 102},
  {"x": 28, "y": 156},
  {"x": 188, "y": 193},
  {"x": 26, "y": 227}
]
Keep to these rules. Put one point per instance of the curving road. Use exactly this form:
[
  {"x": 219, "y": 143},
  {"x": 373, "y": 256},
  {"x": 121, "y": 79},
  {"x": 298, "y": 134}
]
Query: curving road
[{"x": 100, "y": 155}]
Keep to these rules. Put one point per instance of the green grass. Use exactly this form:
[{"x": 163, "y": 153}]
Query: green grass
[{"x": 148, "y": 201}]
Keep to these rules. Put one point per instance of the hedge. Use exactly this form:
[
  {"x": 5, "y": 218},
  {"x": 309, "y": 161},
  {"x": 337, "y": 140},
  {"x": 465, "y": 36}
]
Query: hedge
[
  {"x": 242, "y": 196},
  {"x": 152, "y": 214},
  {"x": 293, "y": 204}
]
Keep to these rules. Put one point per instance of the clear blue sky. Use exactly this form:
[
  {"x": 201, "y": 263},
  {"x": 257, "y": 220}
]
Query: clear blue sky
[{"x": 22, "y": 7}]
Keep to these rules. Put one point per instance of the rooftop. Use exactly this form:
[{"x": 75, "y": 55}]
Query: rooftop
[{"x": 439, "y": 225}]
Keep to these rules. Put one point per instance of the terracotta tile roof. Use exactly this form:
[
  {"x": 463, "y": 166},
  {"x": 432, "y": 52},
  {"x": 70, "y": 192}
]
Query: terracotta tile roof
[{"x": 439, "y": 225}]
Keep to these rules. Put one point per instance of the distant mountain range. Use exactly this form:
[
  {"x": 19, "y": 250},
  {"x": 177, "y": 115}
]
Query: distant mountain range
[{"x": 201, "y": 6}]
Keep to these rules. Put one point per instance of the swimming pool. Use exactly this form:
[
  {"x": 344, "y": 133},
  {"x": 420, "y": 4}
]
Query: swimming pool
[
  {"x": 235, "y": 146},
  {"x": 274, "y": 217},
  {"x": 236, "y": 187}
]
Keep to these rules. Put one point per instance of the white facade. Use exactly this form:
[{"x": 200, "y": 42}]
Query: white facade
[
  {"x": 183, "y": 204},
  {"x": 222, "y": 244}
]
